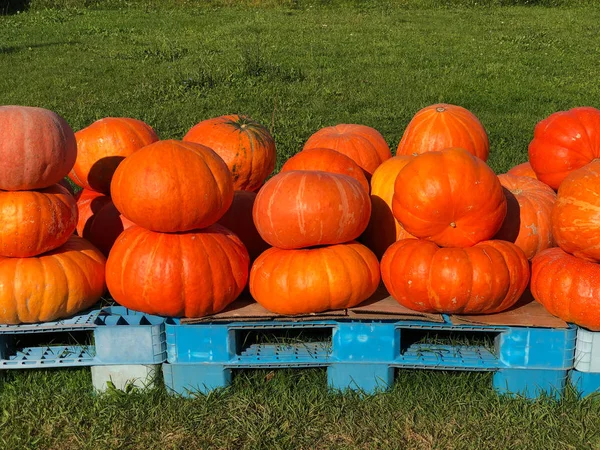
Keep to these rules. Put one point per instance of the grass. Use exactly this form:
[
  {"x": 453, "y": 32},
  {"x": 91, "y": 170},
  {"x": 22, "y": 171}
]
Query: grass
[{"x": 296, "y": 67}]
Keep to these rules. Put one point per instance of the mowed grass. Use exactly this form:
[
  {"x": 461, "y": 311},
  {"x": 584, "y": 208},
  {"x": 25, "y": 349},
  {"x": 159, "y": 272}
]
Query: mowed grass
[{"x": 297, "y": 69}]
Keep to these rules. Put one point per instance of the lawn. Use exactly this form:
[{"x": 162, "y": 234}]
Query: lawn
[{"x": 297, "y": 68}]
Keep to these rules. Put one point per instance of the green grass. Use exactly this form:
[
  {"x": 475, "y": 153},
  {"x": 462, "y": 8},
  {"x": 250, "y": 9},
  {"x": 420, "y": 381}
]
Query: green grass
[{"x": 296, "y": 67}]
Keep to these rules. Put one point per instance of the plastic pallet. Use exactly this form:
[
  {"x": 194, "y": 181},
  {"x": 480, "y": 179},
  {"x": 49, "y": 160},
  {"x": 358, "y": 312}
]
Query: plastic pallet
[
  {"x": 585, "y": 383},
  {"x": 364, "y": 354},
  {"x": 587, "y": 351},
  {"x": 119, "y": 336}
]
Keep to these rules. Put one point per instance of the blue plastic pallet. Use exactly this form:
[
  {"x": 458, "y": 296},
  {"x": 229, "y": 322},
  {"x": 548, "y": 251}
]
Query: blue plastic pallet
[
  {"x": 364, "y": 354},
  {"x": 116, "y": 334},
  {"x": 585, "y": 383}
]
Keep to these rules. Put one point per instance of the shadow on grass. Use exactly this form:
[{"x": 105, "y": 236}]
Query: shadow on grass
[
  {"x": 8, "y": 7},
  {"x": 6, "y": 50}
]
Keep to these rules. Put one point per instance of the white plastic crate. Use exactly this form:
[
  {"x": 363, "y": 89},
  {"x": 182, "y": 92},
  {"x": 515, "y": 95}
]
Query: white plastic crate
[
  {"x": 587, "y": 351},
  {"x": 123, "y": 375}
]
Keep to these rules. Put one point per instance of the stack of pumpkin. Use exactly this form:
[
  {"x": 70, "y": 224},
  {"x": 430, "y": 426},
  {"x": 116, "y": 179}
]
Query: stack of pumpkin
[
  {"x": 176, "y": 260},
  {"x": 311, "y": 213},
  {"x": 100, "y": 149},
  {"x": 564, "y": 154},
  {"x": 45, "y": 272},
  {"x": 441, "y": 205}
]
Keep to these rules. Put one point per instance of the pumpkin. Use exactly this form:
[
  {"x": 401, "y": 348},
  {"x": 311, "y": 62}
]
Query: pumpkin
[
  {"x": 383, "y": 229},
  {"x": 487, "y": 278},
  {"x": 99, "y": 221},
  {"x": 564, "y": 142},
  {"x": 567, "y": 286},
  {"x": 244, "y": 144},
  {"x": 363, "y": 144},
  {"x": 528, "y": 221},
  {"x": 238, "y": 219},
  {"x": 300, "y": 209},
  {"x": 326, "y": 160},
  {"x": 37, "y": 148},
  {"x": 172, "y": 186},
  {"x": 522, "y": 170},
  {"x": 314, "y": 280},
  {"x": 576, "y": 213},
  {"x": 440, "y": 126},
  {"x": 34, "y": 222},
  {"x": 190, "y": 274},
  {"x": 51, "y": 286},
  {"x": 68, "y": 186},
  {"x": 103, "y": 145},
  {"x": 450, "y": 197}
]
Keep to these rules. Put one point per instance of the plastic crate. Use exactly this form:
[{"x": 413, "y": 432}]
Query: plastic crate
[
  {"x": 364, "y": 354},
  {"x": 114, "y": 335},
  {"x": 587, "y": 351}
]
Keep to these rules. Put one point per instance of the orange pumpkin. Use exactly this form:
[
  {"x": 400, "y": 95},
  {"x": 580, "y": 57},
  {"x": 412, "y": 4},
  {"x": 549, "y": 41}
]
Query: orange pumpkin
[
  {"x": 528, "y": 221},
  {"x": 522, "y": 170},
  {"x": 37, "y": 148},
  {"x": 568, "y": 287},
  {"x": 314, "y": 280},
  {"x": 34, "y": 222},
  {"x": 442, "y": 126},
  {"x": 53, "y": 285},
  {"x": 365, "y": 145},
  {"x": 576, "y": 213},
  {"x": 103, "y": 145},
  {"x": 244, "y": 144},
  {"x": 383, "y": 229},
  {"x": 450, "y": 197},
  {"x": 238, "y": 219},
  {"x": 487, "y": 278},
  {"x": 99, "y": 221},
  {"x": 191, "y": 274},
  {"x": 326, "y": 160},
  {"x": 564, "y": 142},
  {"x": 172, "y": 186},
  {"x": 300, "y": 209}
]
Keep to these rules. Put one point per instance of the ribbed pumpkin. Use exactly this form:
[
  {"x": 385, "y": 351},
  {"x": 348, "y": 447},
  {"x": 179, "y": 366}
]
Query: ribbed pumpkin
[
  {"x": 172, "y": 186},
  {"x": 53, "y": 285},
  {"x": 326, "y": 160},
  {"x": 103, "y": 145},
  {"x": 440, "y": 126},
  {"x": 34, "y": 222},
  {"x": 314, "y": 280},
  {"x": 450, "y": 197},
  {"x": 300, "y": 209},
  {"x": 564, "y": 142},
  {"x": 99, "y": 221},
  {"x": 37, "y": 148},
  {"x": 244, "y": 144},
  {"x": 528, "y": 221},
  {"x": 522, "y": 170},
  {"x": 238, "y": 219},
  {"x": 484, "y": 279},
  {"x": 568, "y": 287},
  {"x": 576, "y": 213},
  {"x": 383, "y": 229},
  {"x": 363, "y": 144},
  {"x": 191, "y": 274}
]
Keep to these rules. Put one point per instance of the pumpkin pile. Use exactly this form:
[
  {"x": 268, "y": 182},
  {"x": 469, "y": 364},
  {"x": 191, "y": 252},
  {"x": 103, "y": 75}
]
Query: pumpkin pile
[
  {"x": 100, "y": 149},
  {"x": 311, "y": 213},
  {"x": 563, "y": 153},
  {"x": 45, "y": 272}
]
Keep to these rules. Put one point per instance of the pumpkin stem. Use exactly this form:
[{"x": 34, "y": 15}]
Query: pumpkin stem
[{"x": 440, "y": 109}]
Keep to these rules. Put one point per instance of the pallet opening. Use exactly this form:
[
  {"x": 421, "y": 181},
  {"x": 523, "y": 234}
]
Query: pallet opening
[
  {"x": 53, "y": 345},
  {"x": 277, "y": 341},
  {"x": 424, "y": 341}
]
